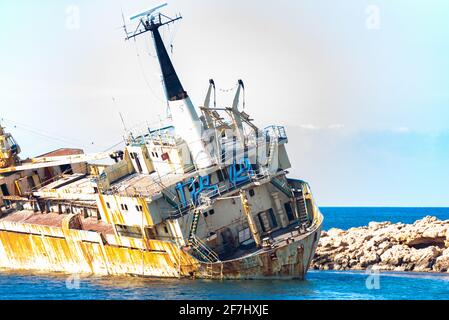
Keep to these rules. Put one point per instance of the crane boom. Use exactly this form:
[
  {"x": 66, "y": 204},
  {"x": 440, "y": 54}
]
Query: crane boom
[{"x": 45, "y": 162}]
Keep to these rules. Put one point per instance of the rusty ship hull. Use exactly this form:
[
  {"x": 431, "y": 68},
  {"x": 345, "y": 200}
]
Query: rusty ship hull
[{"x": 67, "y": 249}]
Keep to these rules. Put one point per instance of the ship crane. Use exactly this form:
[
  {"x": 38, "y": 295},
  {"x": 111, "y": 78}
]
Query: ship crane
[
  {"x": 45, "y": 162},
  {"x": 10, "y": 161}
]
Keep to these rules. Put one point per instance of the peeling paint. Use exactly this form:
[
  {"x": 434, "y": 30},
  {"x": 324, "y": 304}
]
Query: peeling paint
[{"x": 46, "y": 248}]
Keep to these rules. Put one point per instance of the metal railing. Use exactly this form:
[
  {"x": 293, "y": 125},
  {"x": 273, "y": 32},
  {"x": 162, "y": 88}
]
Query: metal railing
[
  {"x": 206, "y": 198},
  {"x": 203, "y": 251},
  {"x": 276, "y": 131}
]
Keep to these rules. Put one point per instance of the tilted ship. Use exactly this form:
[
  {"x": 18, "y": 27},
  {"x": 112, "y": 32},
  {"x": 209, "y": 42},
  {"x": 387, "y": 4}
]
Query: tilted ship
[{"x": 207, "y": 197}]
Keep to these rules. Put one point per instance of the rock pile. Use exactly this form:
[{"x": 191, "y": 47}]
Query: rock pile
[{"x": 421, "y": 247}]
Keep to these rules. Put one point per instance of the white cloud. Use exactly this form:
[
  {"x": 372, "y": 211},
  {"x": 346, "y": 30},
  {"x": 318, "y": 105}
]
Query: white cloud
[{"x": 308, "y": 127}]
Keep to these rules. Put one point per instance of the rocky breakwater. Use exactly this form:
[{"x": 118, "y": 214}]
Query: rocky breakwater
[{"x": 421, "y": 247}]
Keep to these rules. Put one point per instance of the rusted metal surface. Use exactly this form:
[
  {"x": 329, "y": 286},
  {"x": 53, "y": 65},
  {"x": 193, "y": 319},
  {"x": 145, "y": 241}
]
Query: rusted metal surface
[
  {"x": 289, "y": 260},
  {"x": 32, "y": 247},
  {"x": 67, "y": 248},
  {"x": 30, "y": 217}
]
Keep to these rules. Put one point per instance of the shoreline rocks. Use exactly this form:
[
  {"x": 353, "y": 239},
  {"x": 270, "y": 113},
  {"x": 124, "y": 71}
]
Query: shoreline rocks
[{"x": 421, "y": 247}]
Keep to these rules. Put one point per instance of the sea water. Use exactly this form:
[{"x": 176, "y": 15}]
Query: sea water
[{"x": 318, "y": 285}]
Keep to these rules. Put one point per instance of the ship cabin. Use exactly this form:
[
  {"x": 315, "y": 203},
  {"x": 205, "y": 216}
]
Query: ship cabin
[{"x": 157, "y": 192}]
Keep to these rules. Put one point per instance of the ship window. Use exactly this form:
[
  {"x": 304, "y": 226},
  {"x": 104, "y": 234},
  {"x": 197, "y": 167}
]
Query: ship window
[
  {"x": 194, "y": 186},
  {"x": 220, "y": 176},
  {"x": 126, "y": 207},
  {"x": 212, "y": 212},
  {"x": 165, "y": 229},
  {"x": 157, "y": 155},
  {"x": 244, "y": 235},
  {"x": 274, "y": 222},
  {"x": 132, "y": 155},
  {"x": 205, "y": 214},
  {"x": 4, "y": 189},
  {"x": 66, "y": 169},
  {"x": 31, "y": 183},
  {"x": 252, "y": 193},
  {"x": 268, "y": 220},
  {"x": 264, "y": 222},
  {"x": 289, "y": 211},
  {"x": 151, "y": 232},
  {"x": 128, "y": 231},
  {"x": 108, "y": 205},
  {"x": 165, "y": 156},
  {"x": 139, "y": 208}
]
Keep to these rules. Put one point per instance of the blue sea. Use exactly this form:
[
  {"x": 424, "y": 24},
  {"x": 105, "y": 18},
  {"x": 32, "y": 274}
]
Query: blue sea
[{"x": 318, "y": 285}]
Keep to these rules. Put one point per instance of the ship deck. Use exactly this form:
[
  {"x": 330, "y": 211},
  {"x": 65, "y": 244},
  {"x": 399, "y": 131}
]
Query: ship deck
[
  {"x": 286, "y": 235},
  {"x": 146, "y": 185},
  {"x": 53, "y": 220}
]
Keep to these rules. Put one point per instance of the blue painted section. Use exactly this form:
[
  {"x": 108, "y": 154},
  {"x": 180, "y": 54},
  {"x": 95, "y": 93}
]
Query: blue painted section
[
  {"x": 239, "y": 173},
  {"x": 204, "y": 185},
  {"x": 180, "y": 188}
]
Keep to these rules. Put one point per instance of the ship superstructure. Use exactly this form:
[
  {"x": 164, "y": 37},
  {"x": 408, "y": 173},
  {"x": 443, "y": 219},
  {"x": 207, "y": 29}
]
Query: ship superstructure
[{"x": 207, "y": 197}]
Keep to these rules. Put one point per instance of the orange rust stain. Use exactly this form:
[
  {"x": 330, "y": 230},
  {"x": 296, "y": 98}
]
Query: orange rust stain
[
  {"x": 104, "y": 208},
  {"x": 146, "y": 211},
  {"x": 71, "y": 254},
  {"x": 117, "y": 216}
]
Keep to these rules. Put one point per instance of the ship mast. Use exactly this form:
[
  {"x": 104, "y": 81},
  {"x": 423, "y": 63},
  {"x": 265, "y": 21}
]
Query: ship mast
[{"x": 185, "y": 119}]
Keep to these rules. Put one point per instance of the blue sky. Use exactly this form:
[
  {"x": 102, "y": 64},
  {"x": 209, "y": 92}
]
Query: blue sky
[{"x": 367, "y": 110}]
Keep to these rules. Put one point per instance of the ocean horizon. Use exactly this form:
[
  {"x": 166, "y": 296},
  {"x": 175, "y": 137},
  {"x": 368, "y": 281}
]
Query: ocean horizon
[{"x": 351, "y": 217}]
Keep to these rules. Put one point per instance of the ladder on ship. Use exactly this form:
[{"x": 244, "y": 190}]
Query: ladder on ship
[
  {"x": 282, "y": 186},
  {"x": 203, "y": 251},
  {"x": 301, "y": 207},
  {"x": 194, "y": 225},
  {"x": 273, "y": 145},
  {"x": 200, "y": 248}
]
